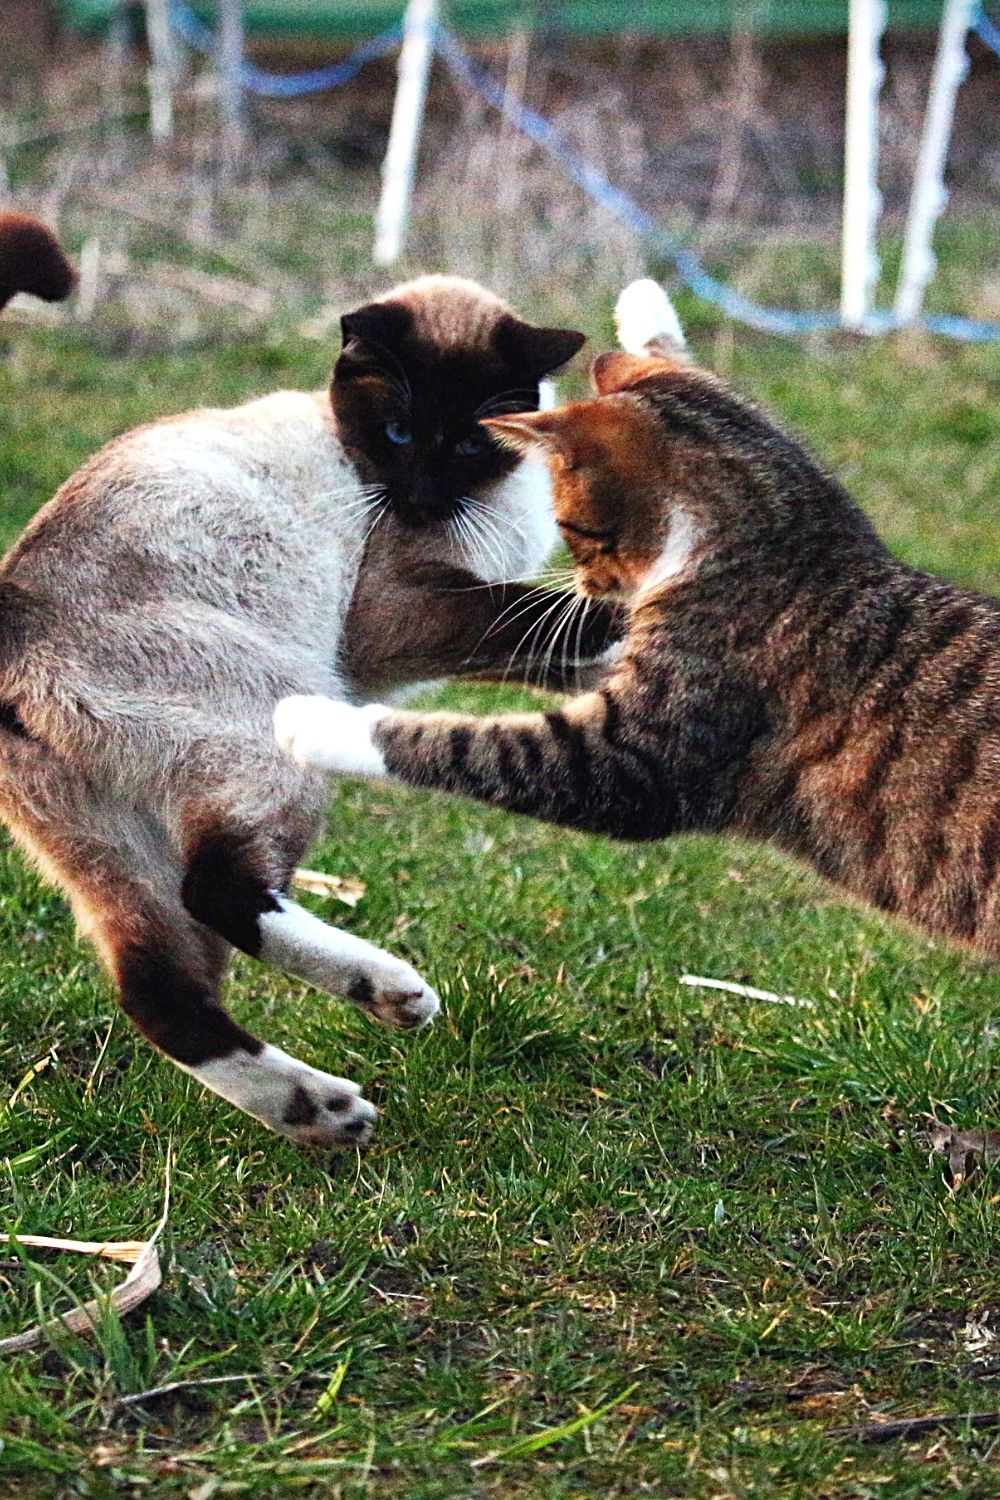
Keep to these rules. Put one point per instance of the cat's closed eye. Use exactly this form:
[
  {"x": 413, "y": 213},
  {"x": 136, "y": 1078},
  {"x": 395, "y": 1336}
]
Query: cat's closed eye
[{"x": 606, "y": 540}]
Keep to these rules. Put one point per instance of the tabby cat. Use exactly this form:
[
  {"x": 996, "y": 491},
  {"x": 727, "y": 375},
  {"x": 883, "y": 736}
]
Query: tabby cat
[
  {"x": 197, "y": 570},
  {"x": 783, "y": 677}
]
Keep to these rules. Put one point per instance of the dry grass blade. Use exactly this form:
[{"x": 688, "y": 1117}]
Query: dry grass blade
[
  {"x": 124, "y": 1250},
  {"x": 141, "y": 1281},
  {"x": 342, "y": 887},
  {"x": 965, "y": 1149},
  {"x": 748, "y": 991}
]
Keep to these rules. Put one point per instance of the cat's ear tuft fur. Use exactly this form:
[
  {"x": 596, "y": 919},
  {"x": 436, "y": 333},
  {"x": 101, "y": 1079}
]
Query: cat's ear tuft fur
[
  {"x": 617, "y": 372},
  {"x": 536, "y": 351},
  {"x": 524, "y": 432}
]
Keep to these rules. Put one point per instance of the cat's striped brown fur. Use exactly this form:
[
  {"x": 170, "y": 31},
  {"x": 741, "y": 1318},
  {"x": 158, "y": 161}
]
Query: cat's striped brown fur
[{"x": 784, "y": 676}]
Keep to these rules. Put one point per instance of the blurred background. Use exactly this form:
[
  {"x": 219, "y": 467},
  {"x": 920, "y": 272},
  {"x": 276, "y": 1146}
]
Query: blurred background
[{"x": 722, "y": 119}]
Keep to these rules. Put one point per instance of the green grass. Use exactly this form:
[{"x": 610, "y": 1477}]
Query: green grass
[{"x": 615, "y": 1235}]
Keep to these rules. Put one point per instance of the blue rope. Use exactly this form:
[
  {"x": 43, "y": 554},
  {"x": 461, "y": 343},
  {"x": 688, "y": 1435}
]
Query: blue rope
[
  {"x": 690, "y": 269},
  {"x": 281, "y": 85},
  {"x": 987, "y": 31},
  {"x": 614, "y": 200}
]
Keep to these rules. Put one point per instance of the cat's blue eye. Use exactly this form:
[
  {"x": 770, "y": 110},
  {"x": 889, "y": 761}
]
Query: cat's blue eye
[
  {"x": 398, "y": 433},
  {"x": 471, "y": 444}
]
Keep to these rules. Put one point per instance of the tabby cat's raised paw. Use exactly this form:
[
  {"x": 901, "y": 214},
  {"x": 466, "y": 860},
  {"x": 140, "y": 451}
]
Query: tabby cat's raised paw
[{"x": 322, "y": 734}]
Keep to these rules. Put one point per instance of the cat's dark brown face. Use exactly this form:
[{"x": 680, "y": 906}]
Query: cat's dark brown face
[{"x": 418, "y": 372}]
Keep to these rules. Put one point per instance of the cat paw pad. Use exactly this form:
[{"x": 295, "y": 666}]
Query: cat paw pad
[
  {"x": 414, "y": 1005},
  {"x": 320, "y": 1110}
]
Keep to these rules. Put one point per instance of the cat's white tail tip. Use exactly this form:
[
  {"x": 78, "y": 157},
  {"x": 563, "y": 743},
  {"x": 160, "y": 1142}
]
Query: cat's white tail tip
[{"x": 646, "y": 320}]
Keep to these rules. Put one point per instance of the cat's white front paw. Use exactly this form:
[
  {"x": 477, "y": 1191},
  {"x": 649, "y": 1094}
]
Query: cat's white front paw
[
  {"x": 320, "y": 1110},
  {"x": 303, "y": 1103},
  {"x": 322, "y": 734}
]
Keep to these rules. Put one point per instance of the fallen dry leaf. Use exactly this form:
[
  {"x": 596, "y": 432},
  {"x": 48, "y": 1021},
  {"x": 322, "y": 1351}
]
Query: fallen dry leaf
[
  {"x": 965, "y": 1149},
  {"x": 141, "y": 1281},
  {"x": 342, "y": 887}
]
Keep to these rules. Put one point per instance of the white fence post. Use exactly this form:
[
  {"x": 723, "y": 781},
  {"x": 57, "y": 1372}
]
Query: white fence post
[
  {"x": 929, "y": 195},
  {"x": 230, "y": 63},
  {"x": 404, "y": 134},
  {"x": 162, "y": 66},
  {"x": 862, "y": 200}
]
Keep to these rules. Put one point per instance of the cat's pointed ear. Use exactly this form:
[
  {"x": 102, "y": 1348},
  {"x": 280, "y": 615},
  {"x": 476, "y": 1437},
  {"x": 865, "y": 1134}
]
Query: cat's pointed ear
[
  {"x": 526, "y": 432},
  {"x": 370, "y": 335},
  {"x": 617, "y": 372},
  {"x": 536, "y": 351},
  {"x": 375, "y": 323}
]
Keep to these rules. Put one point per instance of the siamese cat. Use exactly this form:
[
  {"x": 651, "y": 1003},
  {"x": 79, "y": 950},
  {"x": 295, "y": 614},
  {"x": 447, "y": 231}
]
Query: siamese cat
[{"x": 196, "y": 571}]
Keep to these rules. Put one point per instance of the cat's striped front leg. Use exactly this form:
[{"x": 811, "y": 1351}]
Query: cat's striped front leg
[{"x": 574, "y": 767}]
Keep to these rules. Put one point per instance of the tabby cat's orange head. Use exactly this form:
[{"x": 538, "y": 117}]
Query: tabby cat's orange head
[{"x": 606, "y": 458}]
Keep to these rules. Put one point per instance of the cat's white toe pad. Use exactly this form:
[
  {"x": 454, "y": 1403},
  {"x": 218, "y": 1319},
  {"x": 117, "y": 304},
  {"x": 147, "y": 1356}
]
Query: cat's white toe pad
[
  {"x": 396, "y": 1001},
  {"x": 323, "y": 734}
]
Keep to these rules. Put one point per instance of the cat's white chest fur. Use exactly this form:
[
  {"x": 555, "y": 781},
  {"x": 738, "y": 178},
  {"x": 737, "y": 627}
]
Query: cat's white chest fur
[{"x": 507, "y": 531}]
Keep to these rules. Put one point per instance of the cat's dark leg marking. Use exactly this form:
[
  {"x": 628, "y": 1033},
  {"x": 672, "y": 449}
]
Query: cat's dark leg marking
[
  {"x": 226, "y": 887},
  {"x": 173, "y": 1005},
  {"x": 236, "y": 883}
]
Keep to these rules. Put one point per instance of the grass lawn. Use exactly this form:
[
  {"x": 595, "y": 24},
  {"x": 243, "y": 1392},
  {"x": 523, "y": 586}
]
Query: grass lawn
[{"x": 615, "y": 1235}]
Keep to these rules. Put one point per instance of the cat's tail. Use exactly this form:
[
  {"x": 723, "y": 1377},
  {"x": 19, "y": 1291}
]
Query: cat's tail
[
  {"x": 32, "y": 260},
  {"x": 647, "y": 323}
]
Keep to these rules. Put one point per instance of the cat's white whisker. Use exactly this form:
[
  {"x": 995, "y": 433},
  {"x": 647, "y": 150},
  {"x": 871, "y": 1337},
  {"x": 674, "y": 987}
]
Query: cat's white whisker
[
  {"x": 560, "y": 626},
  {"x": 587, "y": 602},
  {"x": 515, "y": 610},
  {"x": 490, "y": 536},
  {"x": 530, "y": 635}
]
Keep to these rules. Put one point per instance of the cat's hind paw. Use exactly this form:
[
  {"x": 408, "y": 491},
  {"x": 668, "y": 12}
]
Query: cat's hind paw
[
  {"x": 322, "y": 734},
  {"x": 300, "y": 1102}
]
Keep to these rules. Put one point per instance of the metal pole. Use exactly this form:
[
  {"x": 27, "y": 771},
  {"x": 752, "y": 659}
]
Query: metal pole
[
  {"x": 929, "y": 195},
  {"x": 404, "y": 133},
  {"x": 862, "y": 200},
  {"x": 231, "y": 51}
]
